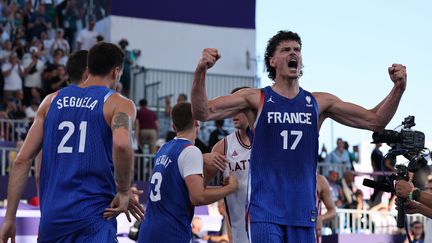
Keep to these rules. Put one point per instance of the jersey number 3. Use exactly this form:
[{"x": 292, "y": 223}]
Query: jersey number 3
[
  {"x": 155, "y": 194},
  {"x": 71, "y": 128}
]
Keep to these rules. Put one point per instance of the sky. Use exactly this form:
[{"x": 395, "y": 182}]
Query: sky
[{"x": 347, "y": 48}]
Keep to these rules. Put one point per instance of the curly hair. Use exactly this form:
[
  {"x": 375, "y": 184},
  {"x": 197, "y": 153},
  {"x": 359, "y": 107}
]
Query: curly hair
[{"x": 282, "y": 35}]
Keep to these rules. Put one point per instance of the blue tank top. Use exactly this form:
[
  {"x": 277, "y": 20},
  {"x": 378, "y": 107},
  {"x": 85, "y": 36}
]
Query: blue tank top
[
  {"x": 77, "y": 174},
  {"x": 283, "y": 160},
  {"x": 169, "y": 211}
]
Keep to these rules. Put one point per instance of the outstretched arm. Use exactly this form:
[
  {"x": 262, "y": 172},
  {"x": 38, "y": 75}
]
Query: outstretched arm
[
  {"x": 356, "y": 116},
  {"x": 220, "y": 107}
]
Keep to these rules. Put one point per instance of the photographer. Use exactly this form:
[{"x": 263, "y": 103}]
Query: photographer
[{"x": 419, "y": 201}]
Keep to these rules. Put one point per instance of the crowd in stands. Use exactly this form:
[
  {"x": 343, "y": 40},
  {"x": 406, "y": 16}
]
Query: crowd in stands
[{"x": 36, "y": 39}]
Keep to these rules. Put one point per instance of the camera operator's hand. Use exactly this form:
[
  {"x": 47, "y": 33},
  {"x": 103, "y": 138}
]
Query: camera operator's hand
[
  {"x": 403, "y": 188},
  {"x": 398, "y": 74},
  {"x": 412, "y": 207}
]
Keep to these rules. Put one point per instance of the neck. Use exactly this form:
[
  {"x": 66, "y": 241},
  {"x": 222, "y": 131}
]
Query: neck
[
  {"x": 93, "y": 80},
  {"x": 189, "y": 135},
  {"x": 244, "y": 137},
  {"x": 286, "y": 87}
]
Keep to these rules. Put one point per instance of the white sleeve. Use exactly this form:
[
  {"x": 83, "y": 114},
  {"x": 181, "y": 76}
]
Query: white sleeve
[{"x": 190, "y": 161}]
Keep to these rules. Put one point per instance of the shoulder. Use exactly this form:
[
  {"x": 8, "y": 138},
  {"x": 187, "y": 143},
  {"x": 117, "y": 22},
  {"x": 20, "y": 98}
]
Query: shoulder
[{"x": 191, "y": 152}]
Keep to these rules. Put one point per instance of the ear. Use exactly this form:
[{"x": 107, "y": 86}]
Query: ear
[
  {"x": 273, "y": 62},
  {"x": 174, "y": 127}
]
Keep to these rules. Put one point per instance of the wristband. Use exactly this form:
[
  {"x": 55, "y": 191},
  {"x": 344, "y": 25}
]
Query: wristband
[{"x": 415, "y": 194}]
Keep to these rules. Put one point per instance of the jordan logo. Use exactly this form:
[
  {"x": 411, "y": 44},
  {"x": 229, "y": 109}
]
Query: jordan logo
[
  {"x": 234, "y": 153},
  {"x": 270, "y": 100},
  {"x": 308, "y": 100}
]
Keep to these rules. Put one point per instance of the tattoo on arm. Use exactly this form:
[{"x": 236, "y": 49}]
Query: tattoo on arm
[{"x": 121, "y": 119}]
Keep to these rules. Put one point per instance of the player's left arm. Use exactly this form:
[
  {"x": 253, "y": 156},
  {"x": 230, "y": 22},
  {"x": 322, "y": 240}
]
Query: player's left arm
[
  {"x": 21, "y": 166},
  {"x": 214, "y": 162},
  {"x": 374, "y": 119}
]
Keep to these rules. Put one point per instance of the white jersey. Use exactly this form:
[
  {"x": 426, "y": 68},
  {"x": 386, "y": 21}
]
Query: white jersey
[{"x": 238, "y": 155}]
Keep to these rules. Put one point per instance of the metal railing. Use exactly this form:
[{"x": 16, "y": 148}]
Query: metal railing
[
  {"x": 143, "y": 164},
  {"x": 325, "y": 168},
  {"x": 352, "y": 221},
  {"x": 13, "y": 130}
]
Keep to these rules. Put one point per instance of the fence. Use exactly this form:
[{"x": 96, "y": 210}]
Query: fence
[
  {"x": 352, "y": 221},
  {"x": 13, "y": 130},
  {"x": 325, "y": 168}
]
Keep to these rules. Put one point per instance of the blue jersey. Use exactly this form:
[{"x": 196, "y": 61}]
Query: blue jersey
[
  {"x": 169, "y": 211},
  {"x": 283, "y": 160},
  {"x": 77, "y": 174}
]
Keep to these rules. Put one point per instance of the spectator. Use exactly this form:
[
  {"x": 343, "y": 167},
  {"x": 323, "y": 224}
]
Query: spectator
[
  {"x": 148, "y": 126},
  {"x": 126, "y": 77},
  {"x": 33, "y": 69},
  {"x": 70, "y": 16},
  {"x": 336, "y": 189},
  {"x": 416, "y": 232},
  {"x": 6, "y": 51},
  {"x": 47, "y": 44},
  {"x": 60, "y": 43},
  {"x": 378, "y": 161},
  {"x": 58, "y": 79},
  {"x": 339, "y": 155},
  {"x": 12, "y": 72},
  {"x": 31, "y": 110},
  {"x": 349, "y": 188},
  {"x": 87, "y": 37},
  {"x": 217, "y": 134},
  {"x": 353, "y": 155}
]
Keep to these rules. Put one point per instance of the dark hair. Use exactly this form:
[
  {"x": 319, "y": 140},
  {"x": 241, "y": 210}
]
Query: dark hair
[
  {"x": 143, "y": 102},
  {"x": 238, "y": 88},
  {"x": 219, "y": 123},
  {"x": 76, "y": 65},
  {"x": 271, "y": 48},
  {"x": 183, "y": 95},
  {"x": 182, "y": 116},
  {"x": 103, "y": 57}
]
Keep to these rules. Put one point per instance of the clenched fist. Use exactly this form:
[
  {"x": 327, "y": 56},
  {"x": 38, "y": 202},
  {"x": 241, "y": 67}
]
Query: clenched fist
[
  {"x": 398, "y": 74},
  {"x": 208, "y": 58}
]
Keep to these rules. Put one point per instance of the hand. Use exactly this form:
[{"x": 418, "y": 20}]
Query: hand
[
  {"x": 231, "y": 182},
  {"x": 398, "y": 74},
  {"x": 118, "y": 205},
  {"x": 208, "y": 59},
  {"x": 134, "y": 207},
  {"x": 403, "y": 188},
  {"x": 411, "y": 206},
  {"x": 8, "y": 231},
  {"x": 318, "y": 227},
  {"x": 215, "y": 161}
]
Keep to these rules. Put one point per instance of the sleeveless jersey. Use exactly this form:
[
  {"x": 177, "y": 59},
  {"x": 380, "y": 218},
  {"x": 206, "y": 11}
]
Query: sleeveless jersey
[
  {"x": 77, "y": 174},
  {"x": 282, "y": 186},
  {"x": 238, "y": 155},
  {"x": 169, "y": 211}
]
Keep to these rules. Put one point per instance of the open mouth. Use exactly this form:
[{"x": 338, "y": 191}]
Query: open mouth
[{"x": 292, "y": 63}]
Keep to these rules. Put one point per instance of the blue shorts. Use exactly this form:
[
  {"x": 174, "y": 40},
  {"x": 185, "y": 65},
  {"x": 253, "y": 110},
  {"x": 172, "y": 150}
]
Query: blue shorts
[
  {"x": 264, "y": 232},
  {"x": 100, "y": 232}
]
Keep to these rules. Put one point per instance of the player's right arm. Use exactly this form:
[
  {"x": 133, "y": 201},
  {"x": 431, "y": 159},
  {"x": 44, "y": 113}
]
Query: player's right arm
[
  {"x": 21, "y": 167},
  {"x": 191, "y": 169},
  {"x": 200, "y": 195},
  {"x": 220, "y": 107}
]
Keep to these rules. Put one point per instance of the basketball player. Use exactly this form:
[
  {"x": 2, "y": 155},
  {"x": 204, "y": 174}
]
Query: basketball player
[
  {"x": 323, "y": 195},
  {"x": 177, "y": 184},
  {"x": 84, "y": 132},
  {"x": 236, "y": 148},
  {"x": 76, "y": 68},
  {"x": 286, "y": 121}
]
